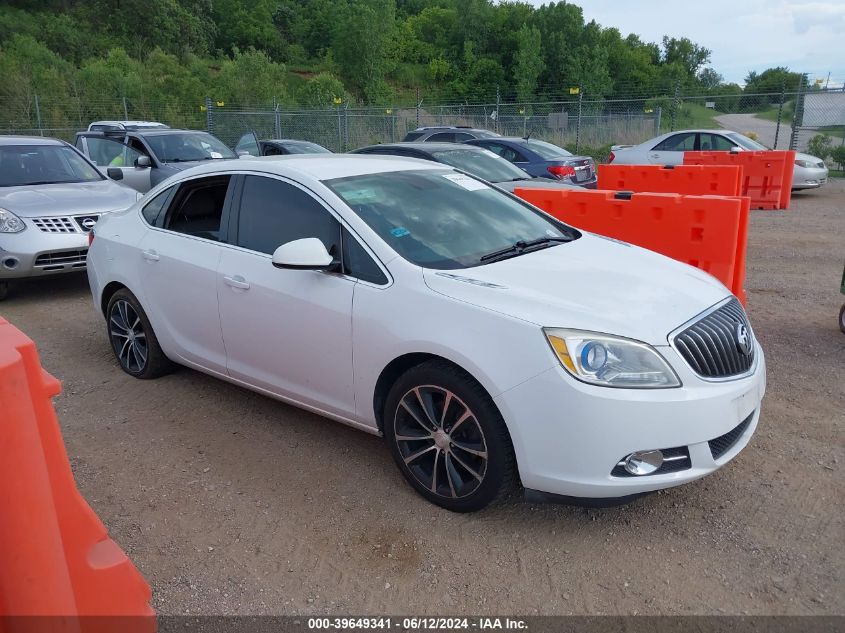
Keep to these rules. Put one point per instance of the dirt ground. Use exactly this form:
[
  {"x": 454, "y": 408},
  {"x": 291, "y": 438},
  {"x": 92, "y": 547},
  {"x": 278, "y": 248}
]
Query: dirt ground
[{"x": 229, "y": 502}]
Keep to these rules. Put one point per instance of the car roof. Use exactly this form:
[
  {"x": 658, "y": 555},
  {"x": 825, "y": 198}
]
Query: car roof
[
  {"x": 451, "y": 127},
  {"x": 429, "y": 147},
  {"x": 29, "y": 140},
  {"x": 318, "y": 166},
  {"x": 288, "y": 140}
]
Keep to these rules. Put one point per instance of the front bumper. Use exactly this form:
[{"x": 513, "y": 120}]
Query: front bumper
[
  {"x": 809, "y": 177},
  {"x": 569, "y": 436},
  {"x": 34, "y": 253}
]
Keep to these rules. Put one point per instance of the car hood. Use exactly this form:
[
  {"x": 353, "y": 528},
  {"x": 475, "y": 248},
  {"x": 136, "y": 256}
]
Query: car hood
[
  {"x": 593, "y": 283},
  {"x": 812, "y": 159},
  {"x": 98, "y": 196},
  {"x": 533, "y": 183}
]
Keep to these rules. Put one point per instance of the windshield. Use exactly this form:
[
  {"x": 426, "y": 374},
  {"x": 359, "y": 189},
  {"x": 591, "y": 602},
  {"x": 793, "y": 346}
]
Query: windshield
[
  {"x": 43, "y": 165},
  {"x": 547, "y": 150},
  {"x": 443, "y": 219},
  {"x": 304, "y": 147},
  {"x": 484, "y": 164},
  {"x": 746, "y": 143},
  {"x": 187, "y": 146}
]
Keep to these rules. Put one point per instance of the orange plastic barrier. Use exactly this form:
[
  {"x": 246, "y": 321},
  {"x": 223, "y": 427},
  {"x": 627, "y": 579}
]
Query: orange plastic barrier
[
  {"x": 766, "y": 176},
  {"x": 694, "y": 180},
  {"x": 56, "y": 559},
  {"x": 708, "y": 232}
]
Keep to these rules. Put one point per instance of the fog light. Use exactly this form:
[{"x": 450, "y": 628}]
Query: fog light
[{"x": 643, "y": 462}]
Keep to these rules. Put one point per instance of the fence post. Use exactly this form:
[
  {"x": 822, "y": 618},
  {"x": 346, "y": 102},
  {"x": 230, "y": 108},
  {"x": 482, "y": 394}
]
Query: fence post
[
  {"x": 209, "y": 116},
  {"x": 498, "y": 99},
  {"x": 578, "y": 124},
  {"x": 419, "y": 105},
  {"x": 346, "y": 125},
  {"x": 798, "y": 115},
  {"x": 780, "y": 114},
  {"x": 125, "y": 110},
  {"x": 38, "y": 115},
  {"x": 675, "y": 100},
  {"x": 658, "y": 116},
  {"x": 339, "y": 130},
  {"x": 277, "y": 119}
]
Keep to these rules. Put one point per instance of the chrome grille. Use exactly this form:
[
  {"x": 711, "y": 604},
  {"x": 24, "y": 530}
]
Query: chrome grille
[
  {"x": 60, "y": 259},
  {"x": 55, "y": 225},
  {"x": 712, "y": 346}
]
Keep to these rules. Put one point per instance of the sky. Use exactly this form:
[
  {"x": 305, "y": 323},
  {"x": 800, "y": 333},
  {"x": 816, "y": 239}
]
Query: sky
[{"x": 743, "y": 35}]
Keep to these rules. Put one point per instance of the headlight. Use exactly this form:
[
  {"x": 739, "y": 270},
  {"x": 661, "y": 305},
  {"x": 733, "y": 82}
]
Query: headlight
[
  {"x": 610, "y": 361},
  {"x": 10, "y": 223},
  {"x": 804, "y": 163}
]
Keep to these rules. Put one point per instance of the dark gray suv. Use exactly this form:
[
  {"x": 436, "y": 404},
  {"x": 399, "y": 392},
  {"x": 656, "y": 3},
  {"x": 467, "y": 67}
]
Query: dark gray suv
[
  {"x": 446, "y": 134},
  {"x": 142, "y": 157}
]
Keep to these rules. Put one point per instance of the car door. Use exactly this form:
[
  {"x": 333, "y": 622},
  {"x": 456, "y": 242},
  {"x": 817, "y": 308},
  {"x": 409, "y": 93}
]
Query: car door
[
  {"x": 670, "y": 151},
  {"x": 286, "y": 331},
  {"x": 114, "y": 155},
  {"x": 178, "y": 260},
  {"x": 710, "y": 142},
  {"x": 248, "y": 145}
]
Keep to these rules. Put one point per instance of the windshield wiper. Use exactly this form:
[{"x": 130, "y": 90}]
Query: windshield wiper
[{"x": 520, "y": 247}]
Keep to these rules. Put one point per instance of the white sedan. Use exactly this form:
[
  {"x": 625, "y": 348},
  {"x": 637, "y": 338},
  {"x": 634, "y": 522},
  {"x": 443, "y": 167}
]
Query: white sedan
[
  {"x": 809, "y": 172},
  {"x": 488, "y": 342}
]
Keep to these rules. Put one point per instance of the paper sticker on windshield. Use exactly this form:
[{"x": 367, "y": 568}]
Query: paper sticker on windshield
[
  {"x": 216, "y": 154},
  {"x": 359, "y": 196},
  {"x": 399, "y": 231},
  {"x": 470, "y": 184}
]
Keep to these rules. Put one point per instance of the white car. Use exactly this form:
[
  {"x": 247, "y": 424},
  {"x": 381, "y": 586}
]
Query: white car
[
  {"x": 809, "y": 172},
  {"x": 488, "y": 342}
]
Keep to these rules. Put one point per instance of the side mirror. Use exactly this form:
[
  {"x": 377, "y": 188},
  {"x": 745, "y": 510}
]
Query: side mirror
[
  {"x": 305, "y": 254},
  {"x": 242, "y": 153},
  {"x": 736, "y": 149},
  {"x": 143, "y": 161},
  {"x": 114, "y": 173}
]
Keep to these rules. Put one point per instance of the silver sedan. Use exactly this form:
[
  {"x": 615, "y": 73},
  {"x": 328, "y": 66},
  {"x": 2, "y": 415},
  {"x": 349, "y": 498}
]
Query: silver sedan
[
  {"x": 50, "y": 198},
  {"x": 809, "y": 172}
]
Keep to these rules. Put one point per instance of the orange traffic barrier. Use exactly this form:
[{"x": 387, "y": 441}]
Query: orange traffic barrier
[
  {"x": 694, "y": 180},
  {"x": 766, "y": 176},
  {"x": 56, "y": 559},
  {"x": 708, "y": 232}
]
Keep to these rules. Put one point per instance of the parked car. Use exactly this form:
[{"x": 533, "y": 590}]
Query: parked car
[
  {"x": 50, "y": 198},
  {"x": 250, "y": 145},
  {"x": 668, "y": 149},
  {"x": 474, "y": 160},
  {"x": 487, "y": 341},
  {"x": 446, "y": 134},
  {"x": 142, "y": 157},
  {"x": 542, "y": 159}
]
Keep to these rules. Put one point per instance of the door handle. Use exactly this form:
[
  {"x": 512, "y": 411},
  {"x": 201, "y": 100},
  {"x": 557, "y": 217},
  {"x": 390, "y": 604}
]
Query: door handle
[
  {"x": 236, "y": 281},
  {"x": 150, "y": 256}
]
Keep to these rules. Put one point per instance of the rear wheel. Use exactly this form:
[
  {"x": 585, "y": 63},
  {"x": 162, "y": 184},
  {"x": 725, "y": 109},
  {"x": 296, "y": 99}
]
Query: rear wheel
[
  {"x": 448, "y": 438},
  {"x": 132, "y": 338},
  {"x": 842, "y": 318}
]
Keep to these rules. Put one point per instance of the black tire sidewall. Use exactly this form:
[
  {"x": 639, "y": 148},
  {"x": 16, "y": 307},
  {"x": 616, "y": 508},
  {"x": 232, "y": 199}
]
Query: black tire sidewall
[
  {"x": 500, "y": 461},
  {"x": 156, "y": 361}
]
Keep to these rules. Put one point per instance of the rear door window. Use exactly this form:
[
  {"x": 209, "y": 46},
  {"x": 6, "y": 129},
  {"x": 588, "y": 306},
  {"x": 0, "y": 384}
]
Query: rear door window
[
  {"x": 684, "y": 142},
  {"x": 441, "y": 137},
  {"x": 198, "y": 208}
]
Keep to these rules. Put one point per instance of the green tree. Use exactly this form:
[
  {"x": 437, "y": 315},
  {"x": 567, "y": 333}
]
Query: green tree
[
  {"x": 359, "y": 47},
  {"x": 821, "y": 146},
  {"x": 838, "y": 156},
  {"x": 685, "y": 53},
  {"x": 322, "y": 90},
  {"x": 529, "y": 62}
]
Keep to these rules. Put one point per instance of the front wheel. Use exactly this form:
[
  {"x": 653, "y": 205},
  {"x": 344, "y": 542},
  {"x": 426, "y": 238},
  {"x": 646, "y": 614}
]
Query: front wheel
[
  {"x": 448, "y": 438},
  {"x": 842, "y": 319},
  {"x": 4, "y": 290},
  {"x": 132, "y": 338}
]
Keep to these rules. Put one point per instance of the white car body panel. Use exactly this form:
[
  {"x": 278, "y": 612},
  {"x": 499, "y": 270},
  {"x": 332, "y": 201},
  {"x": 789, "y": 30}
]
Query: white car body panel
[{"x": 322, "y": 340}]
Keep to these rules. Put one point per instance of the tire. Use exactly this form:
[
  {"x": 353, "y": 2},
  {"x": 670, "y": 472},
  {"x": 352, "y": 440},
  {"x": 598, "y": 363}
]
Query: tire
[
  {"x": 842, "y": 319},
  {"x": 132, "y": 338},
  {"x": 460, "y": 459},
  {"x": 4, "y": 290}
]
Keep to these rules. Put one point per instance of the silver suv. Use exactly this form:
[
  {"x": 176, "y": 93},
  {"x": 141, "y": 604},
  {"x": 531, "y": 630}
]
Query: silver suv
[
  {"x": 50, "y": 199},
  {"x": 446, "y": 134}
]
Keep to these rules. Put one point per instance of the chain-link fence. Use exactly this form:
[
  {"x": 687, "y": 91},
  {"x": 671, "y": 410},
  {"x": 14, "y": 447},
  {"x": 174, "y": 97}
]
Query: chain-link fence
[{"x": 578, "y": 121}]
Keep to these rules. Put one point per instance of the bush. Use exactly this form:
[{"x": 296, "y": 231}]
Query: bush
[
  {"x": 838, "y": 156},
  {"x": 820, "y": 145}
]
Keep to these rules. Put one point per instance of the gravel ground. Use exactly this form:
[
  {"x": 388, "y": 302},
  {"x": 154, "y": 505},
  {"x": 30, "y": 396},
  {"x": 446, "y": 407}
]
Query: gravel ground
[{"x": 229, "y": 502}]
